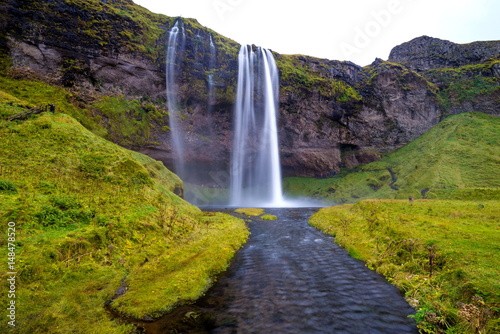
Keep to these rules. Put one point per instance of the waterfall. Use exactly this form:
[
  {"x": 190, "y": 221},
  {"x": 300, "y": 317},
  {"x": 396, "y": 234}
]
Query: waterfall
[
  {"x": 212, "y": 63},
  {"x": 255, "y": 162},
  {"x": 255, "y": 175},
  {"x": 175, "y": 46}
]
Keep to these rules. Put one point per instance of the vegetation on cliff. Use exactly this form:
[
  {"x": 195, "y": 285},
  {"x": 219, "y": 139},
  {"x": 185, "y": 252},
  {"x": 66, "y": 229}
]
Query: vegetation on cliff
[
  {"x": 99, "y": 225},
  {"x": 441, "y": 254},
  {"x": 102, "y": 50},
  {"x": 112, "y": 27},
  {"x": 299, "y": 77},
  {"x": 128, "y": 122},
  {"x": 457, "y": 159},
  {"x": 469, "y": 84},
  {"x": 115, "y": 51}
]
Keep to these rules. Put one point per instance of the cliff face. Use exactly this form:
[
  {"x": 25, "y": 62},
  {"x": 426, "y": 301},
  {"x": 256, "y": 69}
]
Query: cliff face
[
  {"x": 352, "y": 114},
  {"x": 467, "y": 75},
  {"x": 426, "y": 53},
  {"x": 332, "y": 114},
  {"x": 89, "y": 44}
]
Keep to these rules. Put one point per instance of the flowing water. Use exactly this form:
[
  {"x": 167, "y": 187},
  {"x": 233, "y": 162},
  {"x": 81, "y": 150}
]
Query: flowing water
[
  {"x": 175, "y": 47},
  {"x": 212, "y": 67},
  {"x": 291, "y": 278},
  {"x": 255, "y": 163}
]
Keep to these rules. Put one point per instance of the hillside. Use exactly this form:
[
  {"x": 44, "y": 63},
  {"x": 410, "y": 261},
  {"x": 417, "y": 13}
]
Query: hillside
[
  {"x": 111, "y": 57},
  {"x": 93, "y": 223},
  {"x": 440, "y": 253},
  {"x": 102, "y": 232},
  {"x": 456, "y": 159}
]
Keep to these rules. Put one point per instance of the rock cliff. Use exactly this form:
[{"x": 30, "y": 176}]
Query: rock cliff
[
  {"x": 467, "y": 75},
  {"x": 332, "y": 114},
  {"x": 426, "y": 53}
]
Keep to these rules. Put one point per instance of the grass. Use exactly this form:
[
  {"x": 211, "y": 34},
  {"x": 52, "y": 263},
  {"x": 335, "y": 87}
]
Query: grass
[
  {"x": 269, "y": 217},
  {"x": 127, "y": 122},
  {"x": 458, "y": 157},
  {"x": 16, "y": 95},
  {"x": 256, "y": 212},
  {"x": 132, "y": 123},
  {"x": 92, "y": 217},
  {"x": 441, "y": 254},
  {"x": 250, "y": 211}
]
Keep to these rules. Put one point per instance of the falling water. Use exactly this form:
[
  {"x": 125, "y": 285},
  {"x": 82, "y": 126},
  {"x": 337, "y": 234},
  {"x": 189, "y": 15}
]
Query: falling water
[
  {"x": 211, "y": 96},
  {"x": 255, "y": 163},
  {"x": 175, "y": 46}
]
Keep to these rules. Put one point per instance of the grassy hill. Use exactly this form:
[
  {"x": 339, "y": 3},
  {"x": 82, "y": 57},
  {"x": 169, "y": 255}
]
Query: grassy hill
[
  {"x": 457, "y": 159},
  {"x": 442, "y": 254},
  {"x": 93, "y": 219}
]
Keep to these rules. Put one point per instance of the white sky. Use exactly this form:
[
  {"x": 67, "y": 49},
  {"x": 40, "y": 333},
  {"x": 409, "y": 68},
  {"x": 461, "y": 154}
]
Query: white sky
[{"x": 355, "y": 30}]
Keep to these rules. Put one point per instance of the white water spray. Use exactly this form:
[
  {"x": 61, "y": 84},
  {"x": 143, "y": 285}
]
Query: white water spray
[
  {"x": 211, "y": 83},
  {"x": 255, "y": 163},
  {"x": 175, "y": 46}
]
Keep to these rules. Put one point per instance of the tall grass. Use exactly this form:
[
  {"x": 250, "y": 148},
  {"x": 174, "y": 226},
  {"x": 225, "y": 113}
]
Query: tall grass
[
  {"x": 93, "y": 217},
  {"x": 442, "y": 254}
]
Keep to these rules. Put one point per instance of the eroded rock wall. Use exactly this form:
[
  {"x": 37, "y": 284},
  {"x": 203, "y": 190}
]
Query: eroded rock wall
[{"x": 332, "y": 114}]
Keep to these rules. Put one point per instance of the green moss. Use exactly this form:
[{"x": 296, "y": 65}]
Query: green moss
[
  {"x": 129, "y": 122},
  {"x": 297, "y": 78},
  {"x": 397, "y": 239},
  {"x": 124, "y": 23},
  {"x": 16, "y": 95},
  {"x": 269, "y": 217},
  {"x": 466, "y": 83},
  {"x": 186, "y": 273},
  {"x": 8, "y": 187},
  {"x": 405, "y": 77},
  {"x": 91, "y": 215},
  {"x": 250, "y": 211}
]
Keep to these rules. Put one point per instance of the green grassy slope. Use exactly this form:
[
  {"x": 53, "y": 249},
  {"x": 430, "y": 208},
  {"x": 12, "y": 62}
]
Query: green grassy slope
[
  {"x": 129, "y": 123},
  {"x": 458, "y": 158},
  {"x": 92, "y": 217},
  {"x": 442, "y": 254}
]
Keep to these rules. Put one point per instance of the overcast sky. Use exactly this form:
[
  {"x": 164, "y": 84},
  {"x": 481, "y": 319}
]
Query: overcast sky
[{"x": 355, "y": 30}]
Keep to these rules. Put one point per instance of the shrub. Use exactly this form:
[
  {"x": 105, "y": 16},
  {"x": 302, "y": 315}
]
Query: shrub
[{"x": 8, "y": 187}]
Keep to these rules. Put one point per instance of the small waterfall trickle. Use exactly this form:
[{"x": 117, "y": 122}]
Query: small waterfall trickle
[
  {"x": 255, "y": 164},
  {"x": 211, "y": 83},
  {"x": 176, "y": 42}
]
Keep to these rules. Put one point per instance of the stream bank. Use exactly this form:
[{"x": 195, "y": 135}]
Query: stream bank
[{"x": 292, "y": 278}]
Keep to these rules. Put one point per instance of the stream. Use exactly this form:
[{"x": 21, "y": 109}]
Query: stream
[{"x": 292, "y": 278}]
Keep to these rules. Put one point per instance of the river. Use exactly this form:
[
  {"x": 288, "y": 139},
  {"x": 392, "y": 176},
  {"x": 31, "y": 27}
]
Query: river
[{"x": 292, "y": 278}]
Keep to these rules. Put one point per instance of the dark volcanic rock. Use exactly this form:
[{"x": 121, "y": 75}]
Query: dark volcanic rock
[
  {"x": 332, "y": 114},
  {"x": 322, "y": 132},
  {"x": 425, "y": 53},
  {"x": 110, "y": 75},
  {"x": 467, "y": 75}
]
